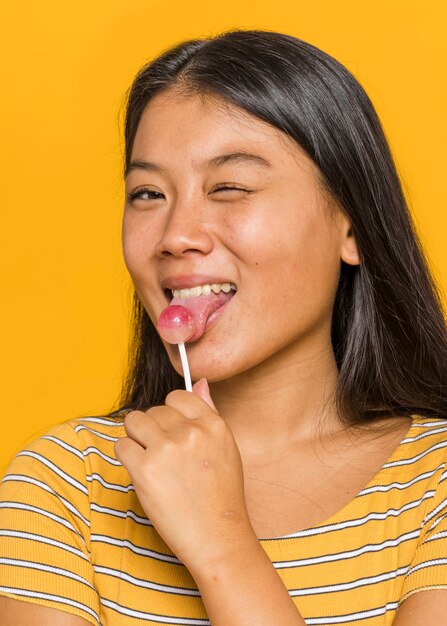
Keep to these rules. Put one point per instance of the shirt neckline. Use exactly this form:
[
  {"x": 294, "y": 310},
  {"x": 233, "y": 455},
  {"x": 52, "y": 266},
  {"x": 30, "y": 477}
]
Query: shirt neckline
[{"x": 341, "y": 513}]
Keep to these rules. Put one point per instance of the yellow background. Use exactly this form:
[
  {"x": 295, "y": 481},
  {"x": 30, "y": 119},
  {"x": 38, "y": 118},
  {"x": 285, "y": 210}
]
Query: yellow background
[{"x": 65, "y": 68}]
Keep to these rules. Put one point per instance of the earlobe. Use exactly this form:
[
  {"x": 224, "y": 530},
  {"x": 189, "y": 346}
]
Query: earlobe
[{"x": 349, "y": 251}]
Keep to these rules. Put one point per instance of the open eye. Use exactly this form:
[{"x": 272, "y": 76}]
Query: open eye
[{"x": 144, "y": 194}]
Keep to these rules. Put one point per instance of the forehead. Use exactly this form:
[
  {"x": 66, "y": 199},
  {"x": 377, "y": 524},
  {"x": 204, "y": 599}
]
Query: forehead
[{"x": 176, "y": 122}]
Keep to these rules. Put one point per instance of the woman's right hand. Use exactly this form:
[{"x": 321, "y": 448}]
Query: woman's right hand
[{"x": 19, "y": 613}]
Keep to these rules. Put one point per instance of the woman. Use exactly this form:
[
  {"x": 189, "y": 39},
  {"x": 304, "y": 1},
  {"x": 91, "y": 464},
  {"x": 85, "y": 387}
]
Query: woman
[{"x": 303, "y": 481}]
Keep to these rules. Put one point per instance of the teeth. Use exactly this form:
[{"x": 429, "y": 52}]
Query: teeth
[
  {"x": 204, "y": 290},
  {"x": 195, "y": 291}
]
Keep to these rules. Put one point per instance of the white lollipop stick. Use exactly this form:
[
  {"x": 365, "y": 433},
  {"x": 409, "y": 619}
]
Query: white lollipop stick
[
  {"x": 185, "y": 366},
  {"x": 176, "y": 325}
]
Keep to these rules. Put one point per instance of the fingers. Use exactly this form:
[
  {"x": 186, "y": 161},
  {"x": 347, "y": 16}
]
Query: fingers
[
  {"x": 128, "y": 452},
  {"x": 202, "y": 390},
  {"x": 140, "y": 428},
  {"x": 193, "y": 405},
  {"x": 148, "y": 428}
]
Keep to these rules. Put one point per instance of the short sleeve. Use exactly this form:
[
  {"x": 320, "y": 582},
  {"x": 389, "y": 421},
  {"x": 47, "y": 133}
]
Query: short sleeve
[
  {"x": 428, "y": 569},
  {"x": 45, "y": 527}
]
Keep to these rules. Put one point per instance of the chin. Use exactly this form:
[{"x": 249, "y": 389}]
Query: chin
[
  {"x": 216, "y": 359},
  {"x": 212, "y": 369}
]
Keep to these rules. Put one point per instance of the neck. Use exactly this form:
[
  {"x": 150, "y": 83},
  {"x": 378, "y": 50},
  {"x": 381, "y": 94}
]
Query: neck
[{"x": 287, "y": 398}]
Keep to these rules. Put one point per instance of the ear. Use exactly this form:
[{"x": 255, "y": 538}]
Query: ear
[{"x": 349, "y": 252}]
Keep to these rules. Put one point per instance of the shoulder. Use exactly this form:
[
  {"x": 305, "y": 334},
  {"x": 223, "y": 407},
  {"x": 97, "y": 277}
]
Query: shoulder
[
  {"x": 68, "y": 453},
  {"x": 427, "y": 451},
  {"x": 426, "y": 437},
  {"x": 76, "y": 436},
  {"x": 421, "y": 457},
  {"x": 94, "y": 430}
]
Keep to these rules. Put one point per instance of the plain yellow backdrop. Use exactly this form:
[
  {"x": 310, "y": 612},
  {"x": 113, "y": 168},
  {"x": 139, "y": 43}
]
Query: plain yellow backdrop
[{"x": 65, "y": 69}]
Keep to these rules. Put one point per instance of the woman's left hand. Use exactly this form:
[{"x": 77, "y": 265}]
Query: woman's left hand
[{"x": 188, "y": 475}]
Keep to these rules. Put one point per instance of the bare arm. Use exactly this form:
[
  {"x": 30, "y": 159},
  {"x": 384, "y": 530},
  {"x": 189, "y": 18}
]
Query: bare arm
[
  {"x": 245, "y": 590},
  {"x": 18, "y": 613},
  {"x": 171, "y": 450},
  {"x": 424, "y": 607}
]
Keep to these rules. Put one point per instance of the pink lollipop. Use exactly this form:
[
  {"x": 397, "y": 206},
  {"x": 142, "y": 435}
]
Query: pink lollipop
[{"x": 176, "y": 325}]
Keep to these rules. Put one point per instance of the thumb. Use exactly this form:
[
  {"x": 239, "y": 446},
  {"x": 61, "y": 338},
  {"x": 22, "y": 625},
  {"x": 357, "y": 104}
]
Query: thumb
[{"x": 201, "y": 389}]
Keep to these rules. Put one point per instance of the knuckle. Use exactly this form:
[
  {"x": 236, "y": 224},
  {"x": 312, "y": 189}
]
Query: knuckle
[
  {"x": 120, "y": 448},
  {"x": 217, "y": 424},
  {"x": 147, "y": 465},
  {"x": 155, "y": 411},
  {"x": 173, "y": 396},
  {"x": 131, "y": 416},
  {"x": 169, "y": 446},
  {"x": 193, "y": 431}
]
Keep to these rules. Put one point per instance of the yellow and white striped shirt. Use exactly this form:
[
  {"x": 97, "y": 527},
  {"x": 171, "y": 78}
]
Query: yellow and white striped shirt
[{"x": 73, "y": 536}]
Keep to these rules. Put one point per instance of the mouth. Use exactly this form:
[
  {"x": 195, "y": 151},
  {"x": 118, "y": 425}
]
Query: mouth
[
  {"x": 199, "y": 290},
  {"x": 206, "y": 303}
]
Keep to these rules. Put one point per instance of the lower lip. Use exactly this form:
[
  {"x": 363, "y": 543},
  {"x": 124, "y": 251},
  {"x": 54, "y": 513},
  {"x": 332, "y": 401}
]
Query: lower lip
[{"x": 214, "y": 318}]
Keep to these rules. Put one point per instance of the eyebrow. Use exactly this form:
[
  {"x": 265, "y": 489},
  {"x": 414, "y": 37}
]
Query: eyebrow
[{"x": 217, "y": 161}]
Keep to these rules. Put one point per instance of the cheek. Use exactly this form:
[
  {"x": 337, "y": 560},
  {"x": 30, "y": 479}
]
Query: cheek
[
  {"x": 135, "y": 245},
  {"x": 300, "y": 265},
  {"x": 315, "y": 276}
]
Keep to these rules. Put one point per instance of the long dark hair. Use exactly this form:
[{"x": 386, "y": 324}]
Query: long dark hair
[{"x": 388, "y": 329}]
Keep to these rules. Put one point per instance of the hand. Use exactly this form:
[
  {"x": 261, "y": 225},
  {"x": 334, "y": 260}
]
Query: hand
[{"x": 188, "y": 475}]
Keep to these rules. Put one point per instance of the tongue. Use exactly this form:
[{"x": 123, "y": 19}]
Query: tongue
[{"x": 201, "y": 307}]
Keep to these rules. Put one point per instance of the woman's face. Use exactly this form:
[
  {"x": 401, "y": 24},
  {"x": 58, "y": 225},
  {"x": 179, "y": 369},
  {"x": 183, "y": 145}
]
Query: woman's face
[{"x": 270, "y": 231}]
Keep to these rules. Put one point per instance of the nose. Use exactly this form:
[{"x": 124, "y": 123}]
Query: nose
[{"x": 185, "y": 231}]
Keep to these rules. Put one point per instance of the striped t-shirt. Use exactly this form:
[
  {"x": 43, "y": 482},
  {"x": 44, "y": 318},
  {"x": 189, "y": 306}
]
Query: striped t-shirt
[{"x": 74, "y": 537}]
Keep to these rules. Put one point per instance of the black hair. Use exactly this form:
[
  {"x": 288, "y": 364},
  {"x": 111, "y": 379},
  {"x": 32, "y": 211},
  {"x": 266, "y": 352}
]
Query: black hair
[{"x": 388, "y": 329}]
